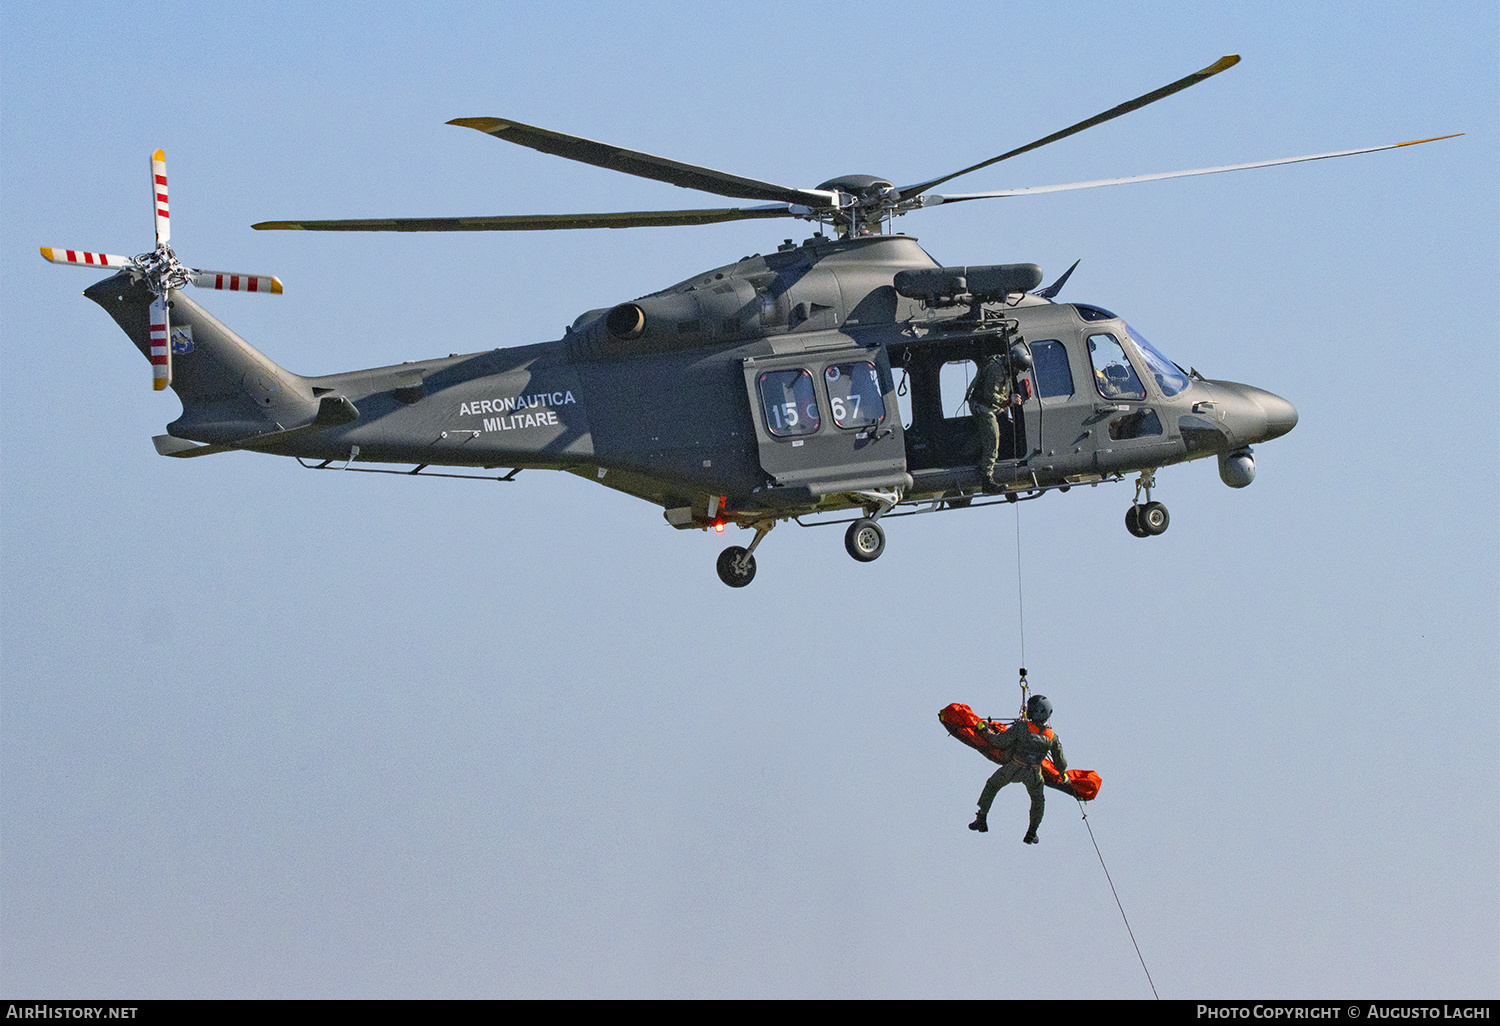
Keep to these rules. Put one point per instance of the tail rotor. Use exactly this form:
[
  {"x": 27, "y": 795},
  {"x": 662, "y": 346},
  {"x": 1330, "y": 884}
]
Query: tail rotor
[
  {"x": 161, "y": 348},
  {"x": 161, "y": 271},
  {"x": 159, "y": 194}
]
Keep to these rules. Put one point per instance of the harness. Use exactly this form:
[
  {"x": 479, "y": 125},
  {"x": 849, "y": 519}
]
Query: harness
[
  {"x": 986, "y": 392},
  {"x": 1028, "y": 752}
]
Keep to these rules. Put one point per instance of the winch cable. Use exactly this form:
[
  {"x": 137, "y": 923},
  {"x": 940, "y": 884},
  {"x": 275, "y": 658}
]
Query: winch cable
[
  {"x": 1084, "y": 813},
  {"x": 1082, "y": 810},
  {"x": 1020, "y": 594}
]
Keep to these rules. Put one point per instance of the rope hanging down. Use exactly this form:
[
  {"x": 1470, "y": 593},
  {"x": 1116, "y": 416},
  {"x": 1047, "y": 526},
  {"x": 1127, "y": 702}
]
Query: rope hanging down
[
  {"x": 1116, "y": 893},
  {"x": 1020, "y": 595},
  {"x": 1021, "y": 617}
]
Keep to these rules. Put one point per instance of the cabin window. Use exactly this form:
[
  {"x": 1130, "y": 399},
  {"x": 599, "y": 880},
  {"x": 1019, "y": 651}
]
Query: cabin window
[
  {"x": 854, "y": 394},
  {"x": 1113, "y": 374},
  {"x": 953, "y": 386},
  {"x": 1054, "y": 377},
  {"x": 789, "y": 402}
]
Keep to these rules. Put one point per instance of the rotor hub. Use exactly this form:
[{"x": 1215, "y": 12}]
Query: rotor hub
[
  {"x": 161, "y": 270},
  {"x": 866, "y": 190}
]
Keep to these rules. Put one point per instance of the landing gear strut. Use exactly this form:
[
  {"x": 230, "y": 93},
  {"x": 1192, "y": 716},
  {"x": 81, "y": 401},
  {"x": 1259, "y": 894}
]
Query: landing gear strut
[
  {"x": 1144, "y": 520},
  {"x": 736, "y": 564}
]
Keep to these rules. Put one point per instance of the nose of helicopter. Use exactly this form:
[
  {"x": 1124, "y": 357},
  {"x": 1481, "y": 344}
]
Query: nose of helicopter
[
  {"x": 1281, "y": 416},
  {"x": 1258, "y": 415}
]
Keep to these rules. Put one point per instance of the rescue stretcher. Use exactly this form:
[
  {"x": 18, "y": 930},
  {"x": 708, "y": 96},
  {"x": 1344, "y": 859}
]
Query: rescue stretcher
[{"x": 963, "y": 723}]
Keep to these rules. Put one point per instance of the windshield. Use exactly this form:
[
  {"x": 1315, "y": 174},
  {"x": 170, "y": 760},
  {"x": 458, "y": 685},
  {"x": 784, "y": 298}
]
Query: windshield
[{"x": 1170, "y": 378}]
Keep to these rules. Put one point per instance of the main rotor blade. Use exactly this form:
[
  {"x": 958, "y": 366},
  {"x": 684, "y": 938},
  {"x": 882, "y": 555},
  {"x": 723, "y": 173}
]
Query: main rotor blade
[
  {"x": 534, "y": 222},
  {"x": 643, "y": 165},
  {"x": 929, "y": 201},
  {"x": 1222, "y": 64}
]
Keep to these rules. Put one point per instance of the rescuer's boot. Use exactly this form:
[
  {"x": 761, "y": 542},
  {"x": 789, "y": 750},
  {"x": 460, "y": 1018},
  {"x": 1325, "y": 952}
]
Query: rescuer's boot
[
  {"x": 979, "y": 823},
  {"x": 1038, "y": 806}
]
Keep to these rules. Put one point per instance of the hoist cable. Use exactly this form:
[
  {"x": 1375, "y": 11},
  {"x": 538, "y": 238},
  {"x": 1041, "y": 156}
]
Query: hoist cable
[
  {"x": 1083, "y": 812},
  {"x": 1020, "y": 607},
  {"x": 1021, "y": 618}
]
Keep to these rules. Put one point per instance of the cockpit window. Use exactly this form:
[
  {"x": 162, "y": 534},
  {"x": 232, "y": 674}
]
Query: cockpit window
[
  {"x": 1170, "y": 378},
  {"x": 1113, "y": 373}
]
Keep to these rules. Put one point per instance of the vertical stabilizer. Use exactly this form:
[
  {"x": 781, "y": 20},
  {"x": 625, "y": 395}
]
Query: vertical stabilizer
[{"x": 229, "y": 390}]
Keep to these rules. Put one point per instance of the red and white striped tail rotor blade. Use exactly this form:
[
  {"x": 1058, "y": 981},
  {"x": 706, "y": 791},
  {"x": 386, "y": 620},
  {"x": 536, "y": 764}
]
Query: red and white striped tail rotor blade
[
  {"x": 236, "y": 282},
  {"x": 159, "y": 196},
  {"x": 79, "y": 258},
  {"x": 161, "y": 346}
]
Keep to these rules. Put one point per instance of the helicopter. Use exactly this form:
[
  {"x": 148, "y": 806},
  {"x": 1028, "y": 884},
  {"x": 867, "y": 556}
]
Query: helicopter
[{"x": 819, "y": 383}]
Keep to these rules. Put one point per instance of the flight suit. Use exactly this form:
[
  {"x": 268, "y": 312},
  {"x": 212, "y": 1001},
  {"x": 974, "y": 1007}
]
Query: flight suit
[
  {"x": 988, "y": 395},
  {"x": 1031, "y": 744}
]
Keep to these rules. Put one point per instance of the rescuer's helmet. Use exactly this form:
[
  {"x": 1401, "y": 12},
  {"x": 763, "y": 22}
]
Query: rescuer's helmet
[{"x": 1038, "y": 709}]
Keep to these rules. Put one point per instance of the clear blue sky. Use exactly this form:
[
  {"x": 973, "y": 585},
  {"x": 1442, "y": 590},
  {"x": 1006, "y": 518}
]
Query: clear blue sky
[{"x": 272, "y": 733}]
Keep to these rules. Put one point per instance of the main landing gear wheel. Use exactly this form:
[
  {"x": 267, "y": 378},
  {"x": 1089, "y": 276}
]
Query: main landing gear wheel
[
  {"x": 1144, "y": 521},
  {"x": 1154, "y": 518},
  {"x": 736, "y": 566},
  {"x": 1148, "y": 518},
  {"x": 865, "y": 540}
]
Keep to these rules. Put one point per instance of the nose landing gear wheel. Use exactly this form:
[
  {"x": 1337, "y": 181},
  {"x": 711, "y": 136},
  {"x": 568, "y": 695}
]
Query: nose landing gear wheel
[
  {"x": 1133, "y": 522},
  {"x": 736, "y": 566},
  {"x": 865, "y": 540},
  {"x": 1154, "y": 518}
]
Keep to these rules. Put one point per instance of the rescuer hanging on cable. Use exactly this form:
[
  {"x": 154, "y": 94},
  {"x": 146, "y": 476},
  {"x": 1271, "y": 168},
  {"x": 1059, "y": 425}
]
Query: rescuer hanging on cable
[{"x": 1027, "y": 742}]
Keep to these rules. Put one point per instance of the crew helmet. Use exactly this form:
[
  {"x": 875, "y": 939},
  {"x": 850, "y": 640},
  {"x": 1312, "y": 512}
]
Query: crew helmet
[{"x": 1038, "y": 709}]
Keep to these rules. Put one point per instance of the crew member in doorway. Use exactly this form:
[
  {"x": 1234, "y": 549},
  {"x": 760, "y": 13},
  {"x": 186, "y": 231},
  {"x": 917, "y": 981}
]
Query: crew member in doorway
[
  {"x": 988, "y": 396},
  {"x": 1028, "y": 742}
]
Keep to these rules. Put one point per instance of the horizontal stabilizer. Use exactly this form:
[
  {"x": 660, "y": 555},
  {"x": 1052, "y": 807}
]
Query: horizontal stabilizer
[
  {"x": 169, "y": 445},
  {"x": 333, "y": 411}
]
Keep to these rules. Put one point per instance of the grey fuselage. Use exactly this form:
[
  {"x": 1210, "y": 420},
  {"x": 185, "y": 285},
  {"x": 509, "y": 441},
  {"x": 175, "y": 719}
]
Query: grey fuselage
[{"x": 676, "y": 406}]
